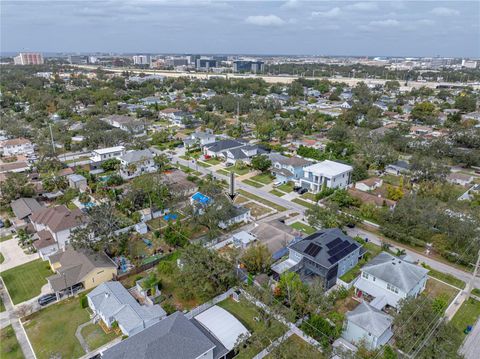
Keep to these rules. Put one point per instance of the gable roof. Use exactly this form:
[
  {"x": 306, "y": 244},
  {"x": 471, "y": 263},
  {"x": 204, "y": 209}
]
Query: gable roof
[
  {"x": 75, "y": 265},
  {"x": 326, "y": 247},
  {"x": 171, "y": 338},
  {"x": 370, "y": 319},
  {"x": 393, "y": 270},
  {"x": 136, "y": 156},
  {"x": 23, "y": 207},
  {"x": 58, "y": 218},
  {"x": 113, "y": 300},
  {"x": 223, "y": 145}
]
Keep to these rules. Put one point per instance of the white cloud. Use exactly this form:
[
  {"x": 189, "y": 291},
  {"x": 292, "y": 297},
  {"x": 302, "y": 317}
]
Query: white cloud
[
  {"x": 265, "y": 20},
  {"x": 330, "y": 13},
  {"x": 364, "y": 6},
  {"x": 290, "y": 4},
  {"x": 385, "y": 23},
  {"x": 445, "y": 11}
]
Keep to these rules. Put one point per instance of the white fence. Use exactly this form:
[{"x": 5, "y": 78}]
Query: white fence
[{"x": 201, "y": 308}]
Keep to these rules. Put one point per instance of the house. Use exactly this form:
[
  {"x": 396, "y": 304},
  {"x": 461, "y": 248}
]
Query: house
[
  {"x": 199, "y": 139},
  {"x": 179, "y": 183},
  {"x": 208, "y": 336},
  {"x": 460, "y": 178},
  {"x": 242, "y": 239},
  {"x": 468, "y": 195},
  {"x": 369, "y": 184},
  {"x": 136, "y": 163},
  {"x": 218, "y": 148},
  {"x": 244, "y": 153},
  {"x": 102, "y": 154},
  {"x": 16, "y": 167},
  {"x": 83, "y": 267},
  {"x": 77, "y": 182},
  {"x": 16, "y": 146},
  {"x": 328, "y": 174},
  {"x": 276, "y": 236},
  {"x": 397, "y": 168},
  {"x": 111, "y": 302},
  {"x": 126, "y": 123},
  {"x": 388, "y": 279},
  {"x": 240, "y": 215},
  {"x": 368, "y": 324},
  {"x": 23, "y": 209},
  {"x": 53, "y": 226},
  {"x": 327, "y": 254},
  {"x": 287, "y": 169},
  {"x": 368, "y": 198}
]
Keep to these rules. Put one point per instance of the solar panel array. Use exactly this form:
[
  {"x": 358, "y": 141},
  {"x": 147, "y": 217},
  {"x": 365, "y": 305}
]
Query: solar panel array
[
  {"x": 334, "y": 243},
  {"x": 342, "y": 253},
  {"x": 312, "y": 249},
  {"x": 338, "y": 248}
]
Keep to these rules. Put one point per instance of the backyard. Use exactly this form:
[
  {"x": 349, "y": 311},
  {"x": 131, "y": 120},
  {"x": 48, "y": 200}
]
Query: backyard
[
  {"x": 95, "y": 336},
  {"x": 302, "y": 227},
  {"x": 248, "y": 315},
  {"x": 26, "y": 281},
  {"x": 52, "y": 330},
  {"x": 9, "y": 348}
]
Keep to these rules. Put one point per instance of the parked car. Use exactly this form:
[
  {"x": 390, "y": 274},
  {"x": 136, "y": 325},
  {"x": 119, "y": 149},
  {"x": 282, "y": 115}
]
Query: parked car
[
  {"x": 277, "y": 184},
  {"x": 47, "y": 299},
  {"x": 302, "y": 191}
]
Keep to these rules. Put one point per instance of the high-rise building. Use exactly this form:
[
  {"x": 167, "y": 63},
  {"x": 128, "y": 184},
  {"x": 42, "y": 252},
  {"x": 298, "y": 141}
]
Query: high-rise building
[
  {"x": 78, "y": 59},
  {"x": 469, "y": 64},
  {"x": 176, "y": 61},
  {"x": 248, "y": 66},
  {"x": 28, "y": 58},
  {"x": 141, "y": 60},
  {"x": 205, "y": 64}
]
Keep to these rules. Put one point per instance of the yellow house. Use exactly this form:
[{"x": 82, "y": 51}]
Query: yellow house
[{"x": 83, "y": 269}]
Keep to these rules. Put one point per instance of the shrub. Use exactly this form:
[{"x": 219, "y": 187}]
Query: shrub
[
  {"x": 169, "y": 308},
  {"x": 84, "y": 302}
]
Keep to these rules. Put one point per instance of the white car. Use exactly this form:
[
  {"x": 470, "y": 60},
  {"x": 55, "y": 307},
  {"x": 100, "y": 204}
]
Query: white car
[{"x": 277, "y": 184}]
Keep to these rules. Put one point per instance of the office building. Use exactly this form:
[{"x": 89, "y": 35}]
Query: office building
[
  {"x": 141, "y": 60},
  {"x": 248, "y": 66},
  {"x": 205, "y": 64},
  {"x": 28, "y": 58},
  {"x": 78, "y": 59}
]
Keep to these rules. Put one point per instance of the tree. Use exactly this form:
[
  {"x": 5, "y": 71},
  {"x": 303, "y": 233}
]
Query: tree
[
  {"x": 392, "y": 85},
  {"x": 112, "y": 164},
  {"x": 425, "y": 112},
  {"x": 257, "y": 259},
  {"x": 394, "y": 193},
  {"x": 16, "y": 185},
  {"x": 175, "y": 234},
  {"x": 327, "y": 217},
  {"x": 465, "y": 102},
  {"x": 162, "y": 162},
  {"x": 261, "y": 163}
]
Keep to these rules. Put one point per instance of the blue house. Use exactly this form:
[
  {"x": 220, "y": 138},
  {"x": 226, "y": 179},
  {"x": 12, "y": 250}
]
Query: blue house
[{"x": 287, "y": 169}]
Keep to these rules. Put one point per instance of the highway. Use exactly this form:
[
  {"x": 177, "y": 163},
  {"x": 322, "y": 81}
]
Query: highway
[{"x": 276, "y": 79}]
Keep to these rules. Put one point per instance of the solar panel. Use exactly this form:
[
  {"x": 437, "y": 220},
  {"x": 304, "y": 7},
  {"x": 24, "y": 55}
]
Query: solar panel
[
  {"x": 342, "y": 253},
  {"x": 334, "y": 243},
  {"x": 312, "y": 249},
  {"x": 338, "y": 248}
]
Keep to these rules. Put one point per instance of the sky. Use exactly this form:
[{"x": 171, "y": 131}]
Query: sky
[{"x": 357, "y": 28}]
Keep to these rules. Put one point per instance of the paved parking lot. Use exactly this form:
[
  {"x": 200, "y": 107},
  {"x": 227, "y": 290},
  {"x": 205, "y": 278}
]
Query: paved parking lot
[{"x": 14, "y": 255}]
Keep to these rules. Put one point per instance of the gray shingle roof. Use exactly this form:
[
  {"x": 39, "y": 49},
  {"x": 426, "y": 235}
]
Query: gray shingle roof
[
  {"x": 172, "y": 338},
  {"x": 323, "y": 239},
  {"x": 136, "y": 156},
  {"x": 393, "y": 270},
  {"x": 23, "y": 207},
  {"x": 223, "y": 145},
  {"x": 372, "y": 320}
]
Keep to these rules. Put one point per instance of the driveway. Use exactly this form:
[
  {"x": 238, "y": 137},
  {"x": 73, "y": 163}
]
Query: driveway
[{"x": 14, "y": 255}]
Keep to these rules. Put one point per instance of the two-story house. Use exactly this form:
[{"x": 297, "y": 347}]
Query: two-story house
[
  {"x": 199, "y": 139},
  {"x": 287, "y": 169},
  {"x": 387, "y": 279},
  {"x": 329, "y": 174},
  {"x": 218, "y": 148},
  {"x": 244, "y": 154},
  {"x": 136, "y": 163},
  {"x": 327, "y": 254},
  {"x": 102, "y": 154},
  {"x": 16, "y": 146},
  {"x": 53, "y": 226},
  {"x": 126, "y": 123}
]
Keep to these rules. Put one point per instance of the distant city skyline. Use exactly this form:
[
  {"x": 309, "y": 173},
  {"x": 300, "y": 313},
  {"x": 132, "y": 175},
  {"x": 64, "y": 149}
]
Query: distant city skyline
[{"x": 294, "y": 27}]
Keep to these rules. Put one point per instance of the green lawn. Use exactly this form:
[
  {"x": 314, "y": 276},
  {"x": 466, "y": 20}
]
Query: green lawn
[
  {"x": 203, "y": 164},
  {"x": 264, "y": 178},
  {"x": 303, "y": 203},
  {"x": 2, "y": 305},
  {"x": 308, "y": 195},
  {"x": 261, "y": 200},
  {"x": 52, "y": 330},
  {"x": 476, "y": 291},
  {"x": 6, "y": 238},
  {"x": 445, "y": 277},
  {"x": 188, "y": 170},
  {"x": 277, "y": 193},
  {"x": 26, "y": 281},
  {"x": 9, "y": 348},
  {"x": 294, "y": 344},
  {"x": 246, "y": 313},
  {"x": 352, "y": 273},
  {"x": 467, "y": 314},
  {"x": 95, "y": 336},
  {"x": 238, "y": 171},
  {"x": 286, "y": 187},
  {"x": 213, "y": 161},
  {"x": 252, "y": 183},
  {"x": 305, "y": 228},
  {"x": 2, "y": 258}
]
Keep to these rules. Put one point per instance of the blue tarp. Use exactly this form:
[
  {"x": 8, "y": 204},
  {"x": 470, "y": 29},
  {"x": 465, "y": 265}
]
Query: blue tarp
[
  {"x": 200, "y": 198},
  {"x": 170, "y": 216}
]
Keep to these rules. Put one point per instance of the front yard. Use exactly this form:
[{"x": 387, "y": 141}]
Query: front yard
[
  {"x": 252, "y": 183},
  {"x": 261, "y": 200},
  {"x": 249, "y": 315},
  {"x": 257, "y": 210},
  {"x": 445, "y": 277},
  {"x": 467, "y": 314},
  {"x": 302, "y": 227},
  {"x": 265, "y": 178},
  {"x": 9, "y": 348},
  {"x": 26, "y": 281},
  {"x": 303, "y": 203},
  {"x": 52, "y": 330}
]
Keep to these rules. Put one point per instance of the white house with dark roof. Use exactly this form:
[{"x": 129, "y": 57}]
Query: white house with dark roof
[
  {"x": 328, "y": 174},
  {"x": 368, "y": 324},
  {"x": 136, "y": 163},
  {"x": 387, "y": 279},
  {"x": 111, "y": 302},
  {"x": 16, "y": 146},
  {"x": 219, "y": 148}
]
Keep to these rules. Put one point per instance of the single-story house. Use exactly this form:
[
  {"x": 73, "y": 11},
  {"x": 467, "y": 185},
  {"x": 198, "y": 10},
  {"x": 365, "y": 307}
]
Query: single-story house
[
  {"x": 369, "y": 198},
  {"x": 240, "y": 215},
  {"x": 397, "y": 168},
  {"x": 218, "y": 148},
  {"x": 387, "y": 279},
  {"x": 460, "y": 178},
  {"x": 77, "y": 182},
  {"x": 244, "y": 153},
  {"x": 368, "y": 324},
  {"x": 369, "y": 184},
  {"x": 242, "y": 239},
  {"x": 84, "y": 267},
  {"x": 111, "y": 303},
  {"x": 276, "y": 236}
]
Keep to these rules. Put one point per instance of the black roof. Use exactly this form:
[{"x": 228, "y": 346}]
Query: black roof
[{"x": 326, "y": 247}]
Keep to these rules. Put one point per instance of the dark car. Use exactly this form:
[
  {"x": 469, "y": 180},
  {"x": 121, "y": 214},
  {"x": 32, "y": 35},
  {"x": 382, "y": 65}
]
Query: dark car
[
  {"x": 302, "y": 191},
  {"x": 47, "y": 299},
  {"x": 351, "y": 225}
]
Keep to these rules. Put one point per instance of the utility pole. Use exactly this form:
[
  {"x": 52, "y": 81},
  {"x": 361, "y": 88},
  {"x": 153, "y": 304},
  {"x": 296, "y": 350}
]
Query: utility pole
[
  {"x": 51, "y": 137},
  {"x": 474, "y": 275}
]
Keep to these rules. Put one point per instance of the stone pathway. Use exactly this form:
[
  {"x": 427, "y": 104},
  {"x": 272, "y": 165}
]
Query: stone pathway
[{"x": 78, "y": 334}]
